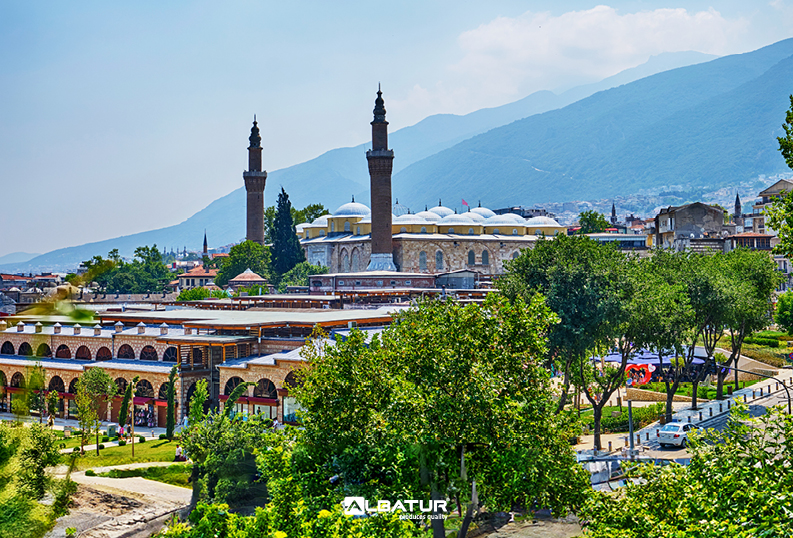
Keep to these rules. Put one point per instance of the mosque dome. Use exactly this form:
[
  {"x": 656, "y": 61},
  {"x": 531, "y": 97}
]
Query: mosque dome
[
  {"x": 321, "y": 221},
  {"x": 400, "y": 209},
  {"x": 503, "y": 220},
  {"x": 352, "y": 209},
  {"x": 476, "y": 217},
  {"x": 485, "y": 212},
  {"x": 409, "y": 218},
  {"x": 454, "y": 218},
  {"x": 542, "y": 221},
  {"x": 429, "y": 215},
  {"x": 441, "y": 210}
]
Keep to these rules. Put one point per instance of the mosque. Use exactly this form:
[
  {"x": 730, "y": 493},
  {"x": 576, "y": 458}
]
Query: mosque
[{"x": 356, "y": 238}]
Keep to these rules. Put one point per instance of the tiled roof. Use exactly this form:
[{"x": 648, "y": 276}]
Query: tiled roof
[{"x": 199, "y": 271}]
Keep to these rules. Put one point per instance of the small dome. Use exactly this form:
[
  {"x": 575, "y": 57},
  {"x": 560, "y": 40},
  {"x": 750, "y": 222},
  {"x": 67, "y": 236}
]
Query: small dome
[
  {"x": 321, "y": 221},
  {"x": 441, "y": 210},
  {"x": 454, "y": 218},
  {"x": 515, "y": 218},
  {"x": 485, "y": 212},
  {"x": 542, "y": 221},
  {"x": 399, "y": 209},
  {"x": 429, "y": 216},
  {"x": 476, "y": 217},
  {"x": 299, "y": 227},
  {"x": 502, "y": 220},
  {"x": 352, "y": 209},
  {"x": 409, "y": 218}
]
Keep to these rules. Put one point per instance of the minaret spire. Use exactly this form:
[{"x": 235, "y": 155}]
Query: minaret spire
[
  {"x": 381, "y": 162},
  {"x": 255, "y": 179}
]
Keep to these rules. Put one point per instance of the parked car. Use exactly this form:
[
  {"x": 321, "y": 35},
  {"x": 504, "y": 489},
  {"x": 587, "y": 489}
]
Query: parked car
[{"x": 675, "y": 434}]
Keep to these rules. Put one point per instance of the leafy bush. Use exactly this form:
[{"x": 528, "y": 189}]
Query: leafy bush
[
  {"x": 193, "y": 294},
  {"x": 90, "y": 472},
  {"x": 76, "y": 449},
  {"x": 642, "y": 416},
  {"x": 776, "y": 359},
  {"x": 122, "y": 442},
  {"x": 141, "y": 439},
  {"x": 766, "y": 342},
  {"x": 101, "y": 446},
  {"x": 105, "y": 438},
  {"x": 162, "y": 436}
]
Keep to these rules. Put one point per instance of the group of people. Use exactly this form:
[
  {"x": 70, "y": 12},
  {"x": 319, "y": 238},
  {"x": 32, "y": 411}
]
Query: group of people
[{"x": 145, "y": 417}]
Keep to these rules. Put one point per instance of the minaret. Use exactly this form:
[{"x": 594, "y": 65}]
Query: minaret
[
  {"x": 255, "y": 179},
  {"x": 206, "y": 250},
  {"x": 613, "y": 213},
  {"x": 381, "y": 161},
  {"x": 738, "y": 212}
]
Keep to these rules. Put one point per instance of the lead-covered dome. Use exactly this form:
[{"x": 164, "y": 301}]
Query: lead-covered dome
[
  {"x": 476, "y": 217},
  {"x": 400, "y": 209},
  {"x": 321, "y": 221},
  {"x": 441, "y": 210},
  {"x": 454, "y": 218},
  {"x": 502, "y": 220},
  {"x": 543, "y": 221},
  {"x": 352, "y": 209},
  {"x": 409, "y": 218},
  {"x": 485, "y": 212}
]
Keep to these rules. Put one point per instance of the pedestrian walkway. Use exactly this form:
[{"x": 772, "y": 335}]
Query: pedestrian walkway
[{"x": 61, "y": 423}]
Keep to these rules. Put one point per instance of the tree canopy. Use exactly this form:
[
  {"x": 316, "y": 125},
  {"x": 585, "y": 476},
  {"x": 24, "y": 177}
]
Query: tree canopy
[
  {"x": 286, "y": 249},
  {"x": 246, "y": 255},
  {"x": 592, "y": 222}
]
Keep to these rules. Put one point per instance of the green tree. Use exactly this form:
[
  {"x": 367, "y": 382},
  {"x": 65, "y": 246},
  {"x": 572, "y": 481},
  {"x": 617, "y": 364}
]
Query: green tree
[
  {"x": 786, "y": 142},
  {"x": 298, "y": 275},
  {"x": 86, "y": 414},
  {"x": 37, "y": 452},
  {"x": 453, "y": 393},
  {"x": 286, "y": 249},
  {"x": 170, "y": 420},
  {"x": 246, "y": 255},
  {"x": 52, "y": 403},
  {"x": 592, "y": 222},
  {"x": 200, "y": 396},
  {"x": 37, "y": 398},
  {"x": 123, "y": 411},
  {"x": 193, "y": 294},
  {"x": 98, "y": 388},
  {"x": 779, "y": 215},
  {"x": 309, "y": 213},
  {"x": 737, "y": 484},
  {"x": 783, "y": 315}
]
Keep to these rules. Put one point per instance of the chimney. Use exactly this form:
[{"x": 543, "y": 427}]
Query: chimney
[
  {"x": 3, "y": 325},
  {"x": 141, "y": 328},
  {"x": 20, "y": 327},
  {"x": 56, "y": 329},
  {"x": 39, "y": 327},
  {"x": 164, "y": 329},
  {"x": 77, "y": 329},
  {"x": 97, "y": 330},
  {"x": 119, "y": 327}
]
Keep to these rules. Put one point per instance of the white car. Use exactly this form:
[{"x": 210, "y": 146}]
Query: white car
[{"x": 675, "y": 434}]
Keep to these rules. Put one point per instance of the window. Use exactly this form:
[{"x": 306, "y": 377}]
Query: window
[
  {"x": 470, "y": 231},
  {"x": 380, "y": 283},
  {"x": 341, "y": 282},
  {"x": 439, "y": 261},
  {"x": 322, "y": 233},
  {"x": 346, "y": 226},
  {"x": 423, "y": 229},
  {"x": 422, "y": 261},
  {"x": 495, "y": 231},
  {"x": 332, "y": 227},
  {"x": 357, "y": 282},
  {"x": 403, "y": 230},
  {"x": 451, "y": 230},
  {"x": 485, "y": 258},
  {"x": 408, "y": 282},
  {"x": 514, "y": 231},
  {"x": 515, "y": 254},
  {"x": 357, "y": 230},
  {"x": 317, "y": 284},
  {"x": 393, "y": 282},
  {"x": 471, "y": 257}
]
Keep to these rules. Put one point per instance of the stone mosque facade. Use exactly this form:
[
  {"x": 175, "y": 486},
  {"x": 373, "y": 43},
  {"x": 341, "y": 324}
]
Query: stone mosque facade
[{"x": 435, "y": 240}]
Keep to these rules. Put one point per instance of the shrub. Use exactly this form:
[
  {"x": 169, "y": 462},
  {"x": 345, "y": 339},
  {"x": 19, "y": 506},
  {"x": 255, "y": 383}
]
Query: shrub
[
  {"x": 141, "y": 439},
  {"x": 76, "y": 449},
  {"x": 163, "y": 436},
  {"x": 105, "y": 438},
  {"x": 101, "y": 446},
  {"x": 90, "y": 472},
  {"x": 642, "y": 416},
  {"x": 122, "y": 442},
  {"x": 70, "y": 531}
]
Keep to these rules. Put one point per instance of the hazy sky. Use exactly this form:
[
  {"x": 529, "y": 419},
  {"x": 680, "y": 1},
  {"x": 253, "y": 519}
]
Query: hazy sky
[{"x": 119, "y": 117}]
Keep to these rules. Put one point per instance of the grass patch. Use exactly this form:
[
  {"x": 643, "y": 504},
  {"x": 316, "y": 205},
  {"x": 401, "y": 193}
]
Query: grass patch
[
  {"x": 685, "y": 388},
  {"x": 120, "y": 455},
  {"x": 176, "y": 474},
  {"x": 642, "y": 416}
]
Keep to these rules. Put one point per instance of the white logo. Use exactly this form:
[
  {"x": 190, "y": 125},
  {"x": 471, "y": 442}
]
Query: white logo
[{"x": 358, "y": 506}]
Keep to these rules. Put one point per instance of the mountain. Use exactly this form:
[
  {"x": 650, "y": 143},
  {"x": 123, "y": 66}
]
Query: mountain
[
  {"x": 711, "y": 124},
  {"x": 17, "y": 257},
  {"x": 335, "y": 175}
]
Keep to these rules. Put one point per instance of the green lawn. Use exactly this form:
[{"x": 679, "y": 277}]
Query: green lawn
[
  {"x": 685, "y": 388},
  {"x": 120, "y": 455},
  {"x": 176, "y": 474}
]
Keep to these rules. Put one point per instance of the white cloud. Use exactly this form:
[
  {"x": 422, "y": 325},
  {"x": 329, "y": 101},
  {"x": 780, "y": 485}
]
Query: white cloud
[{"x": 509, "y": 58}]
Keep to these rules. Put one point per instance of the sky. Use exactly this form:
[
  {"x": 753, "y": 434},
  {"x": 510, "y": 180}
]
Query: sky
[{"x": 122, "y": 117}]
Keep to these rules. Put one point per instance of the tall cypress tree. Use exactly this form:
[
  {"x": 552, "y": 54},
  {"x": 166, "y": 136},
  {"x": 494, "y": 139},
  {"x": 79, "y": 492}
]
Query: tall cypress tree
[
  {"x": 286, "y": 251},
  {"x": 170, "y": 420}
]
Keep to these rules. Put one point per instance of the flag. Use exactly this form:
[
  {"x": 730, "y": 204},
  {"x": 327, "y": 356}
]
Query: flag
[{"x": 464, "y": 202}]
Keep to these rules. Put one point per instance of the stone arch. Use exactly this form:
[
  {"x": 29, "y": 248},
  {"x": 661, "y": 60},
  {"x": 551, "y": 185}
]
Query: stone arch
[
  {"x": 265, "y": 389},
  {"x": 355, "y": 260},
  {"x": 423, "y": 260},
  {"x": 73, "y": 386},
  {"x": 170, "y": 355},
  {"x": 438, "y": 260},
  {"x": 291, "y": 381},
  {"x": 345, "y": 263},
  {"x": 83, "y": 353},
  {"x": 7, "y": 348},
  {"x": 103, "y": 354},
  {"x": 471, "y": 257},
  {"x": 144, "y": 389},
  {"x": 148, "y": 353},
  {"x": 25, "y": 350},
  {"x": 43, "y": 350},
  {"x": 485, "y": 257},
  {"x": 56, "y": 384},
  {"x": 63, "y": 352},
  {"x": 515, "y": 254},
  {"x": 126, "y": 352},
  {"x": 18, "y": 380},
  {"x": 231, "y": 384},
  {"x": 121, "y": 385},
  {"x": 162, "y": 394}
]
